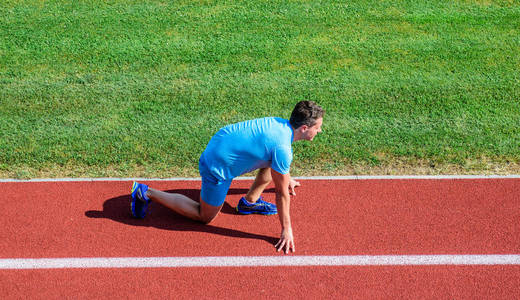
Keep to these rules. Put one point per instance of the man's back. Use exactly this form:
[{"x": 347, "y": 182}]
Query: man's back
[{"x": 243, "y": 147}]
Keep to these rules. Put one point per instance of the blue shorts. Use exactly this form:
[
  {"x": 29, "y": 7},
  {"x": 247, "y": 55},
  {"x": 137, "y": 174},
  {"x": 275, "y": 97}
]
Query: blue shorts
[{"x": 213, "y": 191}]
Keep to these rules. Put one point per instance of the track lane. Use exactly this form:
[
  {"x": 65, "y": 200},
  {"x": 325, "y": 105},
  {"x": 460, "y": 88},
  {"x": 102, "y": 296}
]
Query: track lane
[
  {"x": 437, "y": 282},
  {"x": 349, "y": 217},
  {"x": 346, "y": 217}
]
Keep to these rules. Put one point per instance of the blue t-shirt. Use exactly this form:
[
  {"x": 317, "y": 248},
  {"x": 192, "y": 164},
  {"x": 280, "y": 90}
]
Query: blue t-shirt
[{"x": 246, "y": 146}]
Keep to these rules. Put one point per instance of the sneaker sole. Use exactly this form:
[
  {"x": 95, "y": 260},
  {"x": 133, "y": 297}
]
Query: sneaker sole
[{"x": 253, "y": 212}]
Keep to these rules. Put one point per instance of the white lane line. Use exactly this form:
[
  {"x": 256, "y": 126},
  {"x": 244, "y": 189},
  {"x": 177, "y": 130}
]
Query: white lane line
[
  {"x": 354, "y": 177},
  {"x": 256, "y": 261}
]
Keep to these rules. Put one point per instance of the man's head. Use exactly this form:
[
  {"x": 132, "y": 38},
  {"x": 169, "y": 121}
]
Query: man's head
[{"x": 306, "y": 120}]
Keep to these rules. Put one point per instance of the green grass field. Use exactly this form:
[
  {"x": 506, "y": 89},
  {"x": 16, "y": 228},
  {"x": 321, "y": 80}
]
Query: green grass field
[{"x": 137, "y": 88}]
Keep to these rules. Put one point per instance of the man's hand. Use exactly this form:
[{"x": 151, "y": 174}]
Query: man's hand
[
  {"x": 292, "y": 184},
  {"x": 286, "y": 240}
]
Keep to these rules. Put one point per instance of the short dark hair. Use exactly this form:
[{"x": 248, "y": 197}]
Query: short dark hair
[{"x": 305, "y": 113}]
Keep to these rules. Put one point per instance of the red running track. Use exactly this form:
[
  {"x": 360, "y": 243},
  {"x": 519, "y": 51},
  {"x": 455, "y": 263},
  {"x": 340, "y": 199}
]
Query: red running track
[{"x": 330, "y": 217}]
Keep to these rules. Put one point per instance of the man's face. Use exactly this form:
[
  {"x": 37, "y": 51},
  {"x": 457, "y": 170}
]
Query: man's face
[{"x": 310, "y": 132}]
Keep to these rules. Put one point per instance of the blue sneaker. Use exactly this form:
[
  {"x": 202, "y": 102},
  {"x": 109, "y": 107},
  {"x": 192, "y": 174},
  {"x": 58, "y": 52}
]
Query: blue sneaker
[
  {"x": 139, "y": 200},
  {"x": 260, "y": 207}
]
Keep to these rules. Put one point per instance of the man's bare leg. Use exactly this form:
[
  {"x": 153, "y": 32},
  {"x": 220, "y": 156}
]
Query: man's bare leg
[
  {"x": 185, "y": 206},
  {"x": 262, "y": 180}
]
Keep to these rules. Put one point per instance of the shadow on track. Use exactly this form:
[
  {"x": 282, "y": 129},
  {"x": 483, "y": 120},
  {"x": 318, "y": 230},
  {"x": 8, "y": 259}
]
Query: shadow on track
[{"x": 118, "y": 209}]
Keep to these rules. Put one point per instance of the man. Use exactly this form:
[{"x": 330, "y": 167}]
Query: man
[{"x": 263, "y": 144}]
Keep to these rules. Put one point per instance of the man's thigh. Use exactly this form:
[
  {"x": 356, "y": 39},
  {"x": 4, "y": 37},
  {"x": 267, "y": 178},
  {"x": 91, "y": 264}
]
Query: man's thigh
[
  {"x": 214, "y": 192},
  {"x": 212, "y": 196}
]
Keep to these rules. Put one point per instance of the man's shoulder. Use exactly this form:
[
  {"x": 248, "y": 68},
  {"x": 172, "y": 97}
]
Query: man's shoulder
[
  {"x": 274, "y": 129},
  {"x": 272, "y": 120},
  {"x": 268, "y": 124},
  {"x": 280, "y": 133},
  {"x": 276, "y": 122}
]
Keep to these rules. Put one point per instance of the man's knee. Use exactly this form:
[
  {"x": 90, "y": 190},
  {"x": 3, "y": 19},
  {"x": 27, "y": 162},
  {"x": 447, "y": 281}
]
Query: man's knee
[
  {"x": 208, "y": 212},
  {"x": 207, "y": 218}
]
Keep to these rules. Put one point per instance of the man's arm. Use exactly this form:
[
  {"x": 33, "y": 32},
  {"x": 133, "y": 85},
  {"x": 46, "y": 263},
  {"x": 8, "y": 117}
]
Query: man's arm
[{"x": 283, "y": 202}]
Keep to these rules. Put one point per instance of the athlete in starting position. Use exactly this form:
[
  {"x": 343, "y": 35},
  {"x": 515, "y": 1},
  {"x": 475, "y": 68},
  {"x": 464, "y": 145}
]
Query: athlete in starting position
[{"x": 236, "y": 149}]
